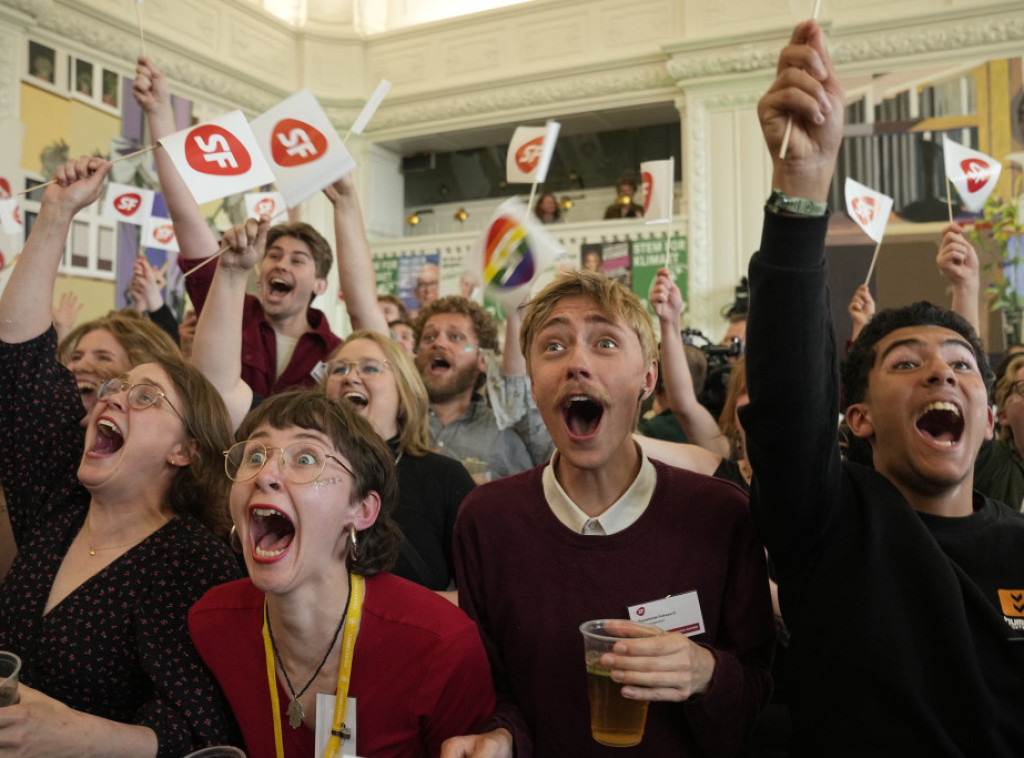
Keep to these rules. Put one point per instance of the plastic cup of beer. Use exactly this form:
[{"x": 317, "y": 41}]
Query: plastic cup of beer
[
  {"x": 614, "y": 720},
  {"x": 217, "y": 751},
  {"x": 10, "y": 668}
]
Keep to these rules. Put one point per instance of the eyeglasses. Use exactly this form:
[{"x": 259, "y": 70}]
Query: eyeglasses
[
  {"x": 1018, "y": 387},
  {"x": 364, "y": 367},
  {"x": 140, "y": 396},
  {"x": 301, "y": 462}
]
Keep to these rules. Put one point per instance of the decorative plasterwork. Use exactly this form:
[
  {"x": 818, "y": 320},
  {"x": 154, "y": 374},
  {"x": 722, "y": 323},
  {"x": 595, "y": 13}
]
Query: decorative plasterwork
[
  {"x": 9, "y": 47},
  {"x": 864, "y": 45}
]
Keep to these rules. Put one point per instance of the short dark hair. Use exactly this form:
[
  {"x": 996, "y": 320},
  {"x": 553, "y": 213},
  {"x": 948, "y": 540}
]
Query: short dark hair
[
  {"x": 395, "y": 300},
  {"x": 861, "y": 358},
  {"x": 485, "y": 327},
  {"x": 323, "y": 256},
  {"x": 373, "y": 464}
]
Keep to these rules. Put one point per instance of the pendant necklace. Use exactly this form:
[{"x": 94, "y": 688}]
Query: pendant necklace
[{"x": 296, "y": 713}]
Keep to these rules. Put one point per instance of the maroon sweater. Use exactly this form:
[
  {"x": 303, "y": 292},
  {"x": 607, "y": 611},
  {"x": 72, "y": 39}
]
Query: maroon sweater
[{"x": 529, "y": 582}]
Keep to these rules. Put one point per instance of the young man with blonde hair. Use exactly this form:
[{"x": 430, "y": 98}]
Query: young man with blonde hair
[{"x": 599, "y": 529}]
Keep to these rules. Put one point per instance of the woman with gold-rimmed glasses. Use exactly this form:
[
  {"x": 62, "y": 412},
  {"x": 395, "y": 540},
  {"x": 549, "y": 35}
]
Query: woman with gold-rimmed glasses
[
  {"x": 114, "y": 544},
  {"x": 400, "y": 669}
]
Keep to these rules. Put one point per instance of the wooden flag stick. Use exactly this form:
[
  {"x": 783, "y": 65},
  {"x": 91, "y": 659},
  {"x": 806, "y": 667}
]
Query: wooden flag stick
[
  {"x": 142, "y": 34},
  {"x": 789, "y": 122},
  {"x": 533, "y": 194},
  {"x": 949, "y": 199},
  {"x": 224, "y": 247},
  {"x": 874, "y": 258},
  {"x": 115, "y": 160}
]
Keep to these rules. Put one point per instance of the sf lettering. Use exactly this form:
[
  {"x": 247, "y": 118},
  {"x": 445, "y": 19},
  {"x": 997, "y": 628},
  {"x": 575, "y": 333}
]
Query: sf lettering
[
  {"x": 216, "y": 150},
  {"x": 297, "y": 143}
]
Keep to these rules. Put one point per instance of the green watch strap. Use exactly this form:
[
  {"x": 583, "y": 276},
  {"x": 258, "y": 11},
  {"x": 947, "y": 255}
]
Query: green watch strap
[{"x": 779, "y": 202}]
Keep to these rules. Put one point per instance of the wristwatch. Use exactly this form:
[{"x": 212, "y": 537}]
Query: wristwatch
[{"x": 779, "y": 202}]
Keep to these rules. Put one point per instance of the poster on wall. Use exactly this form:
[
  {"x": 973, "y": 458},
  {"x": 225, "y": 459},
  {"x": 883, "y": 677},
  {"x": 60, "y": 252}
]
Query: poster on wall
[
  {"x": 458, "y": 275},
  {"x": 648, "y": 256},
  {"x": 611, "y": 258},
  {"x": 385, "y": 269},
  {"x": 419, "y": 277}
]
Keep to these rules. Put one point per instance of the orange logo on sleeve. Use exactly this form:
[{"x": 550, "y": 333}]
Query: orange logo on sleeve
[{"x": 1012, "y": 602}]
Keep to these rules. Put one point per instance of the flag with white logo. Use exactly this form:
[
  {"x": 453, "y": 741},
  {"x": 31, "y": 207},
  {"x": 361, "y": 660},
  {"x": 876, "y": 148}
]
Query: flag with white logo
[
  {"x": 868, "y": 208},
  {"x": 513, "y": 252},
  {"x": 10, "y": 216},
  {"x": 973, "y": 174},
  {"x": 302, "y": 147},
  {"x": 266, "y": 204},
  {"x": 218, "y": 158},
  {"x": 659, "y": 185},
  {"x": 159, "y": 234},
  {"x": 129, "y": 204},
  {"x": 530, "y": 152}
]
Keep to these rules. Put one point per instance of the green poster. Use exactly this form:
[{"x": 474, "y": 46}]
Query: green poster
[
  {"x": 386, "y": 270},
  {"x": 649, "y": 255}
]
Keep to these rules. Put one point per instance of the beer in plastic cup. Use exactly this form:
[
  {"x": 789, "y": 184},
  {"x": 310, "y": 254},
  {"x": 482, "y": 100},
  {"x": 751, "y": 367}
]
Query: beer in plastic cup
[{"x": 10, "y": 667}]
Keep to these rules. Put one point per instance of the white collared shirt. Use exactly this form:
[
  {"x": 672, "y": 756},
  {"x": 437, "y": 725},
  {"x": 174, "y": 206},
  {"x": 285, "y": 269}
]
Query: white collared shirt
[{"x": 619, "y": 515}]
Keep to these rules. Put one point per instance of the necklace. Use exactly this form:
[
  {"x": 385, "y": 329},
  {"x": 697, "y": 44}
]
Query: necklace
[
  {"x": 93, "y": 549},
  {"x": 296, "y": 713}
]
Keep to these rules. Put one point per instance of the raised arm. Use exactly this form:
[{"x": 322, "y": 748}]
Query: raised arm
[
  {"x": 217, "y": 346},
  {"x": 26, "y": 306},
  {"x": 153, "y": 94},
  {"x": 861, "y": 309},
  {"x": 958, "y": 262},
  {"x": 696, "y": 421},
  {"x": 356, "y": 277},
  {"x": 792, "y": 376}
]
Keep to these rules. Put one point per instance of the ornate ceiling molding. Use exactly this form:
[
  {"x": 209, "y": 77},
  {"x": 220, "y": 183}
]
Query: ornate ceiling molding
[{"x": 863, "y": 45}]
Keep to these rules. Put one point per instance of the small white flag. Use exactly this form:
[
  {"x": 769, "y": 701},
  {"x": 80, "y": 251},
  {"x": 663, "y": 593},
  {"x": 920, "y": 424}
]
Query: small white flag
[
  {"x": 218, "y": 158},
  {"x": 658, "y": 179},
  {"x": 159, "y": 234},
  {"x": 870, "y": 209},
  {"x": 973, "y": 174},
  {"x": 371, "y": 107},
  {"x": 530, "y": 153},
  {"x": 10, "y": 216},
  {"x": 266, "y": 204},
  {"x": 300, "y": 143},
  {"x": 127, "y": 203}
]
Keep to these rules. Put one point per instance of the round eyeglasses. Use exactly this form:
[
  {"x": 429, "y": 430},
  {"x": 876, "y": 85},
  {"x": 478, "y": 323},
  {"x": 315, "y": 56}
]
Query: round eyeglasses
[
  {"x": 301, "y": 462},
  {"x": 365, "y": 367},
  {"x": 1018, "y": 387},
  {"x": 140, "y": 396}
]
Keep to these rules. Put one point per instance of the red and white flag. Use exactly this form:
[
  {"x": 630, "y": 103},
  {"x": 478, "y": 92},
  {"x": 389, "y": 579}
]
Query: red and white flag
[
  {"x": 266, "y": 204},
  {"x": 870, "y": 209},
  {"x": 218, "y": 158},
  {"x": 973, "y": 174},
  {"x": 302, "y": 147},
  {"x": 159, "y": 234},
  {"x": 529, "y": 153},
  {"x": 10, "y": 216},
  {"x": 658, "y": 179},
  {"x": 127, "y": 203}
]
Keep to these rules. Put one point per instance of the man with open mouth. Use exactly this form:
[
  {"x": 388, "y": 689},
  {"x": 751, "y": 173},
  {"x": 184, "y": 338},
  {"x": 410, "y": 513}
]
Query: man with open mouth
[
  {"x": 601, "y": 531},
  {"x": 901, "y": 586}
]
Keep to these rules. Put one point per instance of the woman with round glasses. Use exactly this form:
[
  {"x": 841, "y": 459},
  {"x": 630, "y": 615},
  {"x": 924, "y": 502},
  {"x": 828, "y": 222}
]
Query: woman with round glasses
[
  {"x": 114, "y": 543},
  {"x": 320, "y": 640},
  {"x": 373, "y": 374}
]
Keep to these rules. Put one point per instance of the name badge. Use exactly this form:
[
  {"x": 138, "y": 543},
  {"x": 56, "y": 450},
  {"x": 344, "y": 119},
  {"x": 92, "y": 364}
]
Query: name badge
[
  {"x": 324, "y": 718},
  {"x": 676, "y": 613}
]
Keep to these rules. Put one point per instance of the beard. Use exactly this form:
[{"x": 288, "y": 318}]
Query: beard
[{"x": 442, "y": 389}]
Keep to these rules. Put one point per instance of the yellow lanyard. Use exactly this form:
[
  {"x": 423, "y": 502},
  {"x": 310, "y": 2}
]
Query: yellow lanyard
[{"x": 357, "y": 587}]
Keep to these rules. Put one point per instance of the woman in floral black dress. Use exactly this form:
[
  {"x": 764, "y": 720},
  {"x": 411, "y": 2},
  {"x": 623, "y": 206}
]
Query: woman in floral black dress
[{"x": 114, "y": 545}]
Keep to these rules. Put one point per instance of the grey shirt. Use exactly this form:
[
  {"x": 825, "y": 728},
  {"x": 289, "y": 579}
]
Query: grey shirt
[{"x": 476, "y": 435}]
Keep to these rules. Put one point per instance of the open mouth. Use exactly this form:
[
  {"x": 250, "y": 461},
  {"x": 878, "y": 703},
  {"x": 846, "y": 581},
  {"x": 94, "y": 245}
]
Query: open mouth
[
  {"x": 87, "y": 389},
  {"x": 941, "y": 423},
  {"x": 280, "y": 286},
  {"x": 272, "y": 533},
  {"x": 439, "y": 365},
  {"x": 582, "y": 415},
  {"x": 357, "y": 399},
  {"x": 109, "y": 439}
]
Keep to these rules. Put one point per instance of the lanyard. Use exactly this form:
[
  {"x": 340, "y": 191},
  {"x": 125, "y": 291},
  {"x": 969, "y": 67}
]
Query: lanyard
[{"x": 357, "y": 585}]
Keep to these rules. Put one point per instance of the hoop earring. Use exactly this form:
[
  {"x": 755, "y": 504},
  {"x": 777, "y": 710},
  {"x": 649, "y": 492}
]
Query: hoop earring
[
  {"x": 354, "y": 541},
  {"x": 234, "y": 540}
]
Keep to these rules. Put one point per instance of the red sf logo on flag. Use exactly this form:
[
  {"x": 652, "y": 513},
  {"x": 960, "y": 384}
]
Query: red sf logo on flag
[
  {"x": 163, "y": 233},
  {"x": 211, "y": 149},
  {"x": 128, "y": 203},
  {"x": 865, "y": 209},
  {"x": 5, "y": 189},
  {"x": 529, "y": 154},
  {"x": 16, "y": 213},
  {"x": 266, "y": 206},
  {"x": 295, "y": 142},
  {"x": 648, "y": 182},
  {"x": 977, "y": 172}
]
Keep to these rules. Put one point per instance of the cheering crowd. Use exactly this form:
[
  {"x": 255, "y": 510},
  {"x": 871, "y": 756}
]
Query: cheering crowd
[{"x": 303, "y": 545}]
